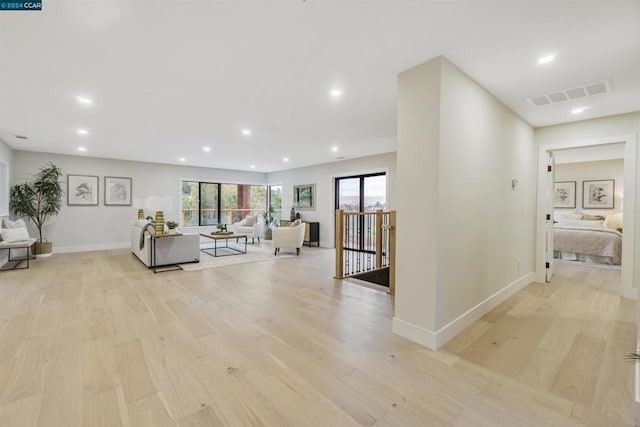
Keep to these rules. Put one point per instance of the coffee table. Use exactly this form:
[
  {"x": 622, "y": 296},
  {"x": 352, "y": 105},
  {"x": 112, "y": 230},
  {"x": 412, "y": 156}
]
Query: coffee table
[{"x": 226, "y": 248}]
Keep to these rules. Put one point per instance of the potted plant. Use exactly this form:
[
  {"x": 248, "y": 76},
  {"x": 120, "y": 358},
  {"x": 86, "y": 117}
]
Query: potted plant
[
  {"x": 268, "y": 222},
  {"x": 171, "y": 225},
  {"x": 37, "y": 200}
]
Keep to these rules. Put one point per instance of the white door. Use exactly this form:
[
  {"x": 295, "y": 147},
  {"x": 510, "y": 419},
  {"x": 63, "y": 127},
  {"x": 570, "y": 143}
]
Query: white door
[{"x": 551, "y": 166}]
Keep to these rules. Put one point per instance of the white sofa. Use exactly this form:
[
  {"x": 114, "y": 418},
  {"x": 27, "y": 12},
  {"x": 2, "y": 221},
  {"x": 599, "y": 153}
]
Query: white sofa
[
  {"x": 251, "y": 231},
  {"x": 169, "y": 250},
  {"x": 288, "y": 237}
]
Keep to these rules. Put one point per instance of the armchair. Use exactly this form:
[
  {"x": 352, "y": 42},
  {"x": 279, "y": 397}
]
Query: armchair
[
  {"x": 288, "y": 237},
  {"x": 250, "y": 226}
]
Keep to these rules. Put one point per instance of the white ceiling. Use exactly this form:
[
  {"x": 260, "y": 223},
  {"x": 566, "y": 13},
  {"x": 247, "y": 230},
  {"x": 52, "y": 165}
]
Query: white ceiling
[{"x": 168, "y": 77}]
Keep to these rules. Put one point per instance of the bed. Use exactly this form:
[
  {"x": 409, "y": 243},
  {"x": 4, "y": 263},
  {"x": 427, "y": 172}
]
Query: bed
[{"x": 587, "y": 241}]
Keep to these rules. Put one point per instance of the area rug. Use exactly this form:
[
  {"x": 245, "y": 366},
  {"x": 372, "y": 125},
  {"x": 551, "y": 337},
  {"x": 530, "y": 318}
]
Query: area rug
[{"x": 258, "y": 252}]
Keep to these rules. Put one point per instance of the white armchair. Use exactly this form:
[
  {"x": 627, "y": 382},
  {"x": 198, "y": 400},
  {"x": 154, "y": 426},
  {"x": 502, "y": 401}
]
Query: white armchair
[
  {"x": 250, "y": 226},
  {"x": 288, "y": 237}
]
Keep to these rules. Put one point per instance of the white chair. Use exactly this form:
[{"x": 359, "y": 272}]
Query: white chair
[
  {"x": 288, "y": 237},
  {"x": 250, "y": 226}
]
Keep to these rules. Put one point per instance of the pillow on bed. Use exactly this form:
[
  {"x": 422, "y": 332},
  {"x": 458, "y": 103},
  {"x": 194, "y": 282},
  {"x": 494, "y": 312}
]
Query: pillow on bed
[
  {"x": 613, "y": 221},
  {"x": 587, "y": 217},
  {"x": 560, "y": 216},
  {"x": 580, "y": 223}
]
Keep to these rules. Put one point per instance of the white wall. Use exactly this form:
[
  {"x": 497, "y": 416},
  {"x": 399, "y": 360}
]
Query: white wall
[
  {"x": 103, "y": 227},
  {"x": 416, "y": 199},
  {"x": 587, "y": 171},
  {"x": 323, "y": 176},
  {"x": 484, "y": 235},
  {"x": 6, "y": 160},
  {"x": 622, "y": 124}
]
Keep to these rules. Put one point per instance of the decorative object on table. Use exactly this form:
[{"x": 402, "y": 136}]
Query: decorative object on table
[
  {"x": 159, "y": 204},
  {"x": 171, "y": 225},
  {"x": 159, "y": 223},
  {"x": 221, "y": 227},
  {"x": 221, "y": 233},
  {"x": 117, "y": 191},
  {"x": 140, "y": 213},
  {"x": 39, "y": 199},
  {"x": 304, "y": 197},
  {"x": 292, "y": 214},
  {"x": 564, "y": 195},
  {"x": 82, "y": 190},
  {"x": 298, "y": 215},
  {"x": 598, "y": 194}
]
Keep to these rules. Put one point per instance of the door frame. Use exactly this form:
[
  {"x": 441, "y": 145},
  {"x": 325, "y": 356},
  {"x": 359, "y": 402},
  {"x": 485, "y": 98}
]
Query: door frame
[{"x": 630, "y": 265}]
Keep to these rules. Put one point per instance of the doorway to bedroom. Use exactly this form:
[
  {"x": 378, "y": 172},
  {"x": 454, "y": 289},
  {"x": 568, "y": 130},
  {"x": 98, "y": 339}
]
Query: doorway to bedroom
[
  {"x": 587, "y": 201},
  {"x": 588, "y": 198}
]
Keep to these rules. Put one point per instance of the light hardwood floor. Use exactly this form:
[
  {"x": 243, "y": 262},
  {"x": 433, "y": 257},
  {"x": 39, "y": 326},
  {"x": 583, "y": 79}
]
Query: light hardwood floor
[
  {"x": 96, "y": 339},
  {"x": 568, "y": 338}
]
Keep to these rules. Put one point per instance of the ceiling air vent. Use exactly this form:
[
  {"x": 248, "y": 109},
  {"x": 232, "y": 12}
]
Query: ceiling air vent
[
  {"x": 565, "y": 95},
  {"x": 20, "y": 136}
]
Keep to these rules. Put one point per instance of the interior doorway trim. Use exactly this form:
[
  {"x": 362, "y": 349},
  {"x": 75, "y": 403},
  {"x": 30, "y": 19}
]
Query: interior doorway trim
[{"x": 630, "y": 264}]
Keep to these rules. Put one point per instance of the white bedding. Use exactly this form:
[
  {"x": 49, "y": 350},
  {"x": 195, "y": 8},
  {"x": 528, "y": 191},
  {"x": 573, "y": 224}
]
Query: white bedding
[{"x": 598, "y": 241}]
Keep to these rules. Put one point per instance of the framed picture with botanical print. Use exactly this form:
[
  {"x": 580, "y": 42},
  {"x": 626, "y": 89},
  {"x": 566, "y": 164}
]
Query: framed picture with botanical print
[
  {"x": 117, "y": 191},
  {"x": 598, "y": 194},
  {"x": 82, "y": 190},
  {"x": 564, "y": 195}
]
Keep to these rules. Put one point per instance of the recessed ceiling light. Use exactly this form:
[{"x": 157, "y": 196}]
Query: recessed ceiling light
[
  {"x": 82, "y": 149},
  {"x": 335, "y": 93},
  {"x": 334, "y": 149},
  {"x": 206, "y": 149},
  {"x": 246, "y": 132},
  {"x": 252, "y": 166},
  {"x": 83, "y": 132},
  {"x": 579, "y": 110},
  {"x": 285, "y": 159},
  {"x": 84, "y": 100},
  {"x": 547, "y": 59},
  {"x": 182, "y": 159}
]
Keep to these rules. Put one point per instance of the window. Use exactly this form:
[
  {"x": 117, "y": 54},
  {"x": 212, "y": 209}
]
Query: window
[
  {"x": 209, "y": 203},
  {"x": 363, "y": 193},
  {"x": 275, "y": 201}
]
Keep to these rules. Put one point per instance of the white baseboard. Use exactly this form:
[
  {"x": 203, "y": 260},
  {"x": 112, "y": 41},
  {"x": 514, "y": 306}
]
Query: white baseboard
[
  {"x": 88, "y": 248},
  {"x": 414, "y": 333},
  {"x": 437, "y": 339}
]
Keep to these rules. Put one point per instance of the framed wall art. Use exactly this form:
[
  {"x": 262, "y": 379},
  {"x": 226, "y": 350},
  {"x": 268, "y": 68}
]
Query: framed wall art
[
  {"x": 82, "y": 190},
  {"x": 564, "y": 195},
  {"x": 117, "y": 191},
  {"x": 304, "y": 197},
  {"x": 598, "y": 194}
]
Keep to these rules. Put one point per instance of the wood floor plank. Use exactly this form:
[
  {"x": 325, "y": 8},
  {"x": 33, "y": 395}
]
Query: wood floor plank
[
  {"x": 133, "y": 371},
  {"x": 578, "y": 374},
  {"x": 99, "y": 366},
  {"x": 102, "y": 409},
  {"x": 150, "y": 411},
  {"x": 204, "y": 417}
]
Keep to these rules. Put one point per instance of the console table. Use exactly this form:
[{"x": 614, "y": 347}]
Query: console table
[{"x": 311, "y": 231}]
